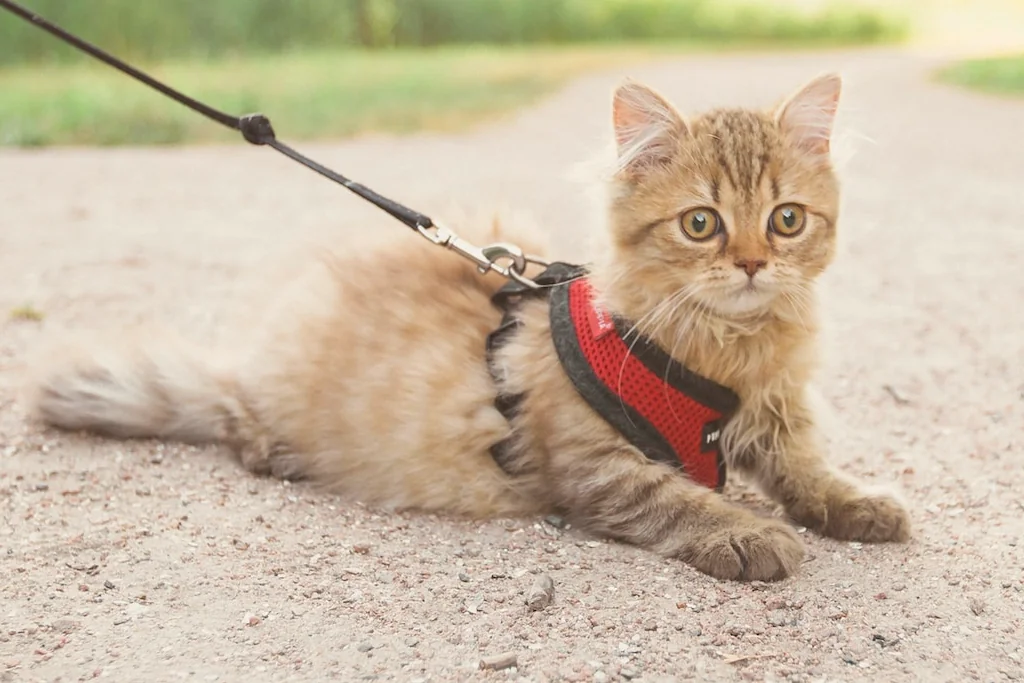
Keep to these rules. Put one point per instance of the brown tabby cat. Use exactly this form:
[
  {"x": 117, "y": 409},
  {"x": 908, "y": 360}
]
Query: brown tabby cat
[{"x": 370, "y": 377}]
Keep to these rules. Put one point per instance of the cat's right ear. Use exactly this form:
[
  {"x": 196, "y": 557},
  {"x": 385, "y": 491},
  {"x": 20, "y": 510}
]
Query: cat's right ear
[{"x": 647, "y": 127}]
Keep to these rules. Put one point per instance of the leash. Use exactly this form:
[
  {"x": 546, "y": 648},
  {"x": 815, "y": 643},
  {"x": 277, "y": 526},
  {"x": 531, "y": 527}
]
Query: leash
[{"x": 505, "y": 259}]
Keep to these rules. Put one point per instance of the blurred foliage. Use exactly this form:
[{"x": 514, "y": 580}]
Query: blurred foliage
[
  {"x": 1000, "y": 75},
  {"x": 211, "y": 28},
  {"x": 329, "y": 94}
]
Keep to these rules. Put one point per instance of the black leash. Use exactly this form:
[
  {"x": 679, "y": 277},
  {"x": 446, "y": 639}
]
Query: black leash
[{"x": 255, "y": 128}]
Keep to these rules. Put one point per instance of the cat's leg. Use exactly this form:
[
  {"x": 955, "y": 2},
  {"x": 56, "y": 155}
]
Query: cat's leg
[
  {"x": 622, "y": 495},
  {"x": 794, "y": 472}
]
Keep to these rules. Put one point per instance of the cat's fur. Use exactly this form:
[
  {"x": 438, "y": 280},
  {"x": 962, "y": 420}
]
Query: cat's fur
[{"x": 370, "y": 377}]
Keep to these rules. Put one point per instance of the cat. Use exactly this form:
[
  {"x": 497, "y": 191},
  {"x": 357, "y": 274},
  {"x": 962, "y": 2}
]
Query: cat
[{"x": 370, "y": 375}]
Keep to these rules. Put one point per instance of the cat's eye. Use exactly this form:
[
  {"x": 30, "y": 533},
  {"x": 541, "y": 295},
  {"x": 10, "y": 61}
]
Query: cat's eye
[
  {"x": 787, "y": 220},
  {"x": 700, "y": 224}
]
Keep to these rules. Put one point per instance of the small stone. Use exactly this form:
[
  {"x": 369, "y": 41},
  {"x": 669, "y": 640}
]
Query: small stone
[
  {"x": 464, "y": 578},
  {"x": 977, "y": 606},
  {"x": 156, "y": 458},
  {"x": 84, "y": 588},
  {"x": 505, "y": 660},
  {"x": 884, "y": 641},
  {"x": 254, "y": 621},
  {"x": 364, "y": 647},
  {"x": 412, "y": 642},
  {"x": 601, "y": 677},
  {"x": 736, "y": 629},
  {"x": 555, "y": 521},
  {"x": 109, "y": 585},
  {"x": 64, "y": 625},
  {"x": 541, "y": 593},
  {"x": 361, "y": 548},
  {"x": 42, "y": 487},
  {"x": 778, "y": 618},
  {"x": 628, "y": 673}
]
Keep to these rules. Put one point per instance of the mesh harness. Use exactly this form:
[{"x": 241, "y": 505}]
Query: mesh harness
[{"x": 669, "y": 413}]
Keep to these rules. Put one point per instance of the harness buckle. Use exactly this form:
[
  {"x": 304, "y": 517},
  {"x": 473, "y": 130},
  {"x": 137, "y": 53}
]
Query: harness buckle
[{"x": 508, "y": 260}]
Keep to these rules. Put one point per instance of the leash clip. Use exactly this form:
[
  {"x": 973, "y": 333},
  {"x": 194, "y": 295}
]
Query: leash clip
[{"x": 508, "y": 260}]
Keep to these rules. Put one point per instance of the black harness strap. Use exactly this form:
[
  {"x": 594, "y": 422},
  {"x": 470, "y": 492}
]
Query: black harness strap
[
  {"x": 508, "y": 299},
  {"x": 255, "y": 128}
]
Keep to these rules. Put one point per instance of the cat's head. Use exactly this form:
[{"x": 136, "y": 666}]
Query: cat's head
[{"x": 733, "y": 209}]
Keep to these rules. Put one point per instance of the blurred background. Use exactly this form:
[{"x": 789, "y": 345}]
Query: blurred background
[{"x": 340, "y": 68}]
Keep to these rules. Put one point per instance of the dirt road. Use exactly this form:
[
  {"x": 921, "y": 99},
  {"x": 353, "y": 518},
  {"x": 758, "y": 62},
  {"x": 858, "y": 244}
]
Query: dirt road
[{"x": 152, "y": 563}]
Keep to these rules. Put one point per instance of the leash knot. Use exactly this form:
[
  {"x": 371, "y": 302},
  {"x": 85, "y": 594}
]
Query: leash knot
[{"x": 256, "y": 129}]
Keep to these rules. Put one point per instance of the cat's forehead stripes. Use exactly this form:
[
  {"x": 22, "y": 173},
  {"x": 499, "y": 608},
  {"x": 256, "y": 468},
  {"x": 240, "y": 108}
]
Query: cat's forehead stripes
[{"x": 742, "y": 144}]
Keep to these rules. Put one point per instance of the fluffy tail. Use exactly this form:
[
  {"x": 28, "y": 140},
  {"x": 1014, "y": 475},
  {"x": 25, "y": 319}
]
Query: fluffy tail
[{"x": 153, "y": 385}]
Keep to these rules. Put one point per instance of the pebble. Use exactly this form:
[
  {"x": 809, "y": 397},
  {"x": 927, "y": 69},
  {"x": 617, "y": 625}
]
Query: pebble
[
  {"x": 505, "y": 660},
  {"x": 464, "y": 578},
  {"x": 412, "y": 642},
  {"x": 977, "y": 606},
  {"x": 541, "y": 593},
  {"x": 555, "y": 521},
  {"x": 779, "y": 617},
  {"x": 628, "y": 673},
  {"x": 364, "y": 647},
  {"x": 64, "y": 625},
  {"x": 736, "y": 629}
]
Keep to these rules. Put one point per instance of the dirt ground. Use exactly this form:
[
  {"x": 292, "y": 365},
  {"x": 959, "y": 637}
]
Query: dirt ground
[{"x": 149, "y": 562}]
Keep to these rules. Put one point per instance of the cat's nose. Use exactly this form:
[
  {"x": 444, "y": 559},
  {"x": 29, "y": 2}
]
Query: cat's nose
[{"x": 750, "y": 265}]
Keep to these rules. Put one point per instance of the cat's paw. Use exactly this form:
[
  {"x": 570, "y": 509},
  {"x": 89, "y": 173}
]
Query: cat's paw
[
  {"x": 871, "y": 518},
  {"x": 752, "y": 549}
]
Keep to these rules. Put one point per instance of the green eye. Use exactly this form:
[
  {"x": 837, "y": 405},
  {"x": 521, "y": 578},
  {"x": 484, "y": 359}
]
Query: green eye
[
  {"x": 700, "y": 224},
  {"x": 787, "y": 220}
]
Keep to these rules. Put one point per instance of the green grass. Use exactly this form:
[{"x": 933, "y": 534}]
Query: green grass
[
  {"x": 306, "y": 95},
  {"x": 26, "y": 312},
  {"x": 1000, "y": 75}
]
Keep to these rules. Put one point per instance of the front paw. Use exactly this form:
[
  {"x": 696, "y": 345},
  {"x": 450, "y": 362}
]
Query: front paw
[
  {"x": 858, "y": 516},
  {"x": 749, "y": 549}
]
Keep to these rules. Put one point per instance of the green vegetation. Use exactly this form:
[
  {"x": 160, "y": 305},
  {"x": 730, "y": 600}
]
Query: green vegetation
[
  {"x": 1000, "y": 75},
  {"x": 27, "y": 312},
  {"x": 306, "y": 95},
  {"x": 323, "y": 68},
  {"x": 203, "y": 29}
]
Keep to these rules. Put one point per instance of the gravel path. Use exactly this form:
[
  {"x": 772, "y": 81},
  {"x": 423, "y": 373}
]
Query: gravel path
[{"x": 145, "y": 562}]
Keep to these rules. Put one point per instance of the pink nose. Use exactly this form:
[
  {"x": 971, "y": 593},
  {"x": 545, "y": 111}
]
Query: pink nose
[{"x": 750, "y": 265}]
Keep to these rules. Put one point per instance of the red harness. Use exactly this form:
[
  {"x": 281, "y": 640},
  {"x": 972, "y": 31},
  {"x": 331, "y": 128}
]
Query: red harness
[{"x": 670, "y": 414}]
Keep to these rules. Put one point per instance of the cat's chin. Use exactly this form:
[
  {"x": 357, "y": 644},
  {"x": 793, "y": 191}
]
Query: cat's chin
[{"x": 743, "y": 303}]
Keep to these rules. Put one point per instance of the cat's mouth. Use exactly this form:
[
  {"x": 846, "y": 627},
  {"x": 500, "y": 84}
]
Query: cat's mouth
[{"x": 742, "y": 299}]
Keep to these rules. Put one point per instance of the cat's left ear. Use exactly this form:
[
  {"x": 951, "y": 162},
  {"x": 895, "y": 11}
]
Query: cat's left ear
[{"x": 808, "y": 116}]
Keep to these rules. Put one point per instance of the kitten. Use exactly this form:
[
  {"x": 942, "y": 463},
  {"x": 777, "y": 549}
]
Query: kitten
[{"x": 370, "y": 376}]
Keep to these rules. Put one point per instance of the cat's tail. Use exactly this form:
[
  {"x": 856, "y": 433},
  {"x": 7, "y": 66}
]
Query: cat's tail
[{"x": 141, "y": 385}]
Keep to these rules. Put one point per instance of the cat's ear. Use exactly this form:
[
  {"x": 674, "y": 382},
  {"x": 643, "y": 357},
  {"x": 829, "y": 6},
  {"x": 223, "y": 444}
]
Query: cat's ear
[
  {"x": 807, "y": 117},
  {"x": 647, "y": 127}
]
